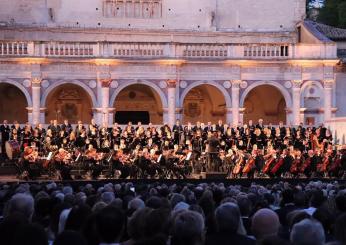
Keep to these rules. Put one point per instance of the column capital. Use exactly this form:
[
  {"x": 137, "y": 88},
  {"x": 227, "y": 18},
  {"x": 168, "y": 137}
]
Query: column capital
[
  {"x": 236, "y": 83},
  {"x": 171, "y": 83},
  {"x": 297, "y": 83},
  {"x": 105, "y": 82},
  {"x": 36, "y": 81},
  {"x": 328, "y": 83}
]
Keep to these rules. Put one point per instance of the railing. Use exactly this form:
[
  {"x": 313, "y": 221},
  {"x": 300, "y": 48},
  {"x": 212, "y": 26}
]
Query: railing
[
  {"x": 138, "y": 50},
  {"x": 205, "y": 51},
  {"x": 14, "y": 48},
  {"x": 68, "y": 49},
  {"x": 169, "y": 50}
]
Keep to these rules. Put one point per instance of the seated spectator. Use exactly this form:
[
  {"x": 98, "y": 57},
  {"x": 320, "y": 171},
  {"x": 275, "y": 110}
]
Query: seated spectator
[
  {"x": 188, "y": 229},
  {"x": 265, "y": 222},
  {"x": 110, "y": 224},
  {"x": 21, "y": 203},
  {"x": 307, "y": 232},
  {"x": 229, "y": 227}
]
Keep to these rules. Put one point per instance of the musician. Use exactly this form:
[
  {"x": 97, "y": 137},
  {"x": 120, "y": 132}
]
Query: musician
[
  {"x": 66, "y": 126},
  {"x": 79, "y": 128},
  {"x": 177, "y": 132},
  {"x": 297, "y": 163},
  {"x": 213, "y": 144},
  {"x": 62, "y": 163},
  {"x": 220, "y": 126},
  {"x": 30, "y": 157},
  {"x": 54, "y": 127},
  {"x": 5, "y": 136},
  {"x": 93, "y": 161}
]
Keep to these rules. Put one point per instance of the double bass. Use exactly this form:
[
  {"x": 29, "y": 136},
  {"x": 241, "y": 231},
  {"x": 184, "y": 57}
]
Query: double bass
[
  {"x": 249, "y": 164},
  {"x": 268, "y": 163},
  {"x": 277, "y": 165},
  {"x": 238, "y": 165}
]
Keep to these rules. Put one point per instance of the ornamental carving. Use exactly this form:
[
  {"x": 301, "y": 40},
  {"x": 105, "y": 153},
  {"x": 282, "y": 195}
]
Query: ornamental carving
[{"x": 171, "y": 83}]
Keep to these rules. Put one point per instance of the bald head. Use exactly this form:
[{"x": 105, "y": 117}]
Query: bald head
[{"x": 265, "y": 222}]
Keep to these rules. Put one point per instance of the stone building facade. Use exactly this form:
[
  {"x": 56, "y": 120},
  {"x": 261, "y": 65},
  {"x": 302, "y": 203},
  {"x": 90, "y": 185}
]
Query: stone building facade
[{"x": 161, "y": 60}]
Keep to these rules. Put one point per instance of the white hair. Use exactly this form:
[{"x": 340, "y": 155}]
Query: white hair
[
  {"x": 21, "y": 203},
  {"x": 307, "y": 232}
]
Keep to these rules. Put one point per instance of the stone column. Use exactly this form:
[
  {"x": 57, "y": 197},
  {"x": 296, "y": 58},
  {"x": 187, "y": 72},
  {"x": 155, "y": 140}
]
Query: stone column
[
  {"x": 36, "y": 99},
  {"x": 235, "y": 101},
  {"x": 105, "y": 83},
  {"x": 171, "y": 86},
  {"x": 296, "y": 84},
  {"x": 327, "y": 91}
]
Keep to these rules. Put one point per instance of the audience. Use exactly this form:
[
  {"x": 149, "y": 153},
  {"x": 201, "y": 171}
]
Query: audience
[{"x": 176, "y": 214}]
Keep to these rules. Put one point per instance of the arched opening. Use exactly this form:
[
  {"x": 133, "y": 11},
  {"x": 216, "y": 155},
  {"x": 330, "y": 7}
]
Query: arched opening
[
  {"x": 69, "y": 101},
  {"x": 265, "y": 102},
  {"x": 204, "y": 103},
  {"x": 138, "y": 103},
  {"x": 13, "y": 104}
]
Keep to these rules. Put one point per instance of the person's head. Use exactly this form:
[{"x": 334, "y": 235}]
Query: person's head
[
  {"x": 245, "y": 205},
  {"x": 287, "y": 196},
  {"x": 110, "y": 223},
  {"x": 340, "y": 229},
  {"x": 265, "y": 222},
  {"x": 227, "y": 217},
  {"x": 307, "y": 232},
  {"x": 188, "y": 228},
  {"x": 77, "y": 217},
  {"x": 21, "y": 203},
  {"x": 70, "y": 238}
]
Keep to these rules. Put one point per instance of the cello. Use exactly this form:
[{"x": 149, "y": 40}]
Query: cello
[{"x": 250, "y": 163}]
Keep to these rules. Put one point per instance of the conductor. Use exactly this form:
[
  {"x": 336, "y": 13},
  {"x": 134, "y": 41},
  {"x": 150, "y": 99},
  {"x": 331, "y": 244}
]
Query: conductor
[{"x": 213, "y": 145}]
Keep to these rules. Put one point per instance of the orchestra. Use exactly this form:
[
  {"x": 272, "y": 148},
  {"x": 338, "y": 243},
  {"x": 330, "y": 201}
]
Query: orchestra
[{"x": 249, "y": 150}]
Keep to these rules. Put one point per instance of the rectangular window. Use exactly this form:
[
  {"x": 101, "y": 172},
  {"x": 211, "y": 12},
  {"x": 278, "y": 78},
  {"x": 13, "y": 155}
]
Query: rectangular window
[{"x": 144, "y": 9}]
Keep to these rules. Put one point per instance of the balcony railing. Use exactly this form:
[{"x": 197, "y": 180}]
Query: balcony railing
[{"x": 169, "y": 50}]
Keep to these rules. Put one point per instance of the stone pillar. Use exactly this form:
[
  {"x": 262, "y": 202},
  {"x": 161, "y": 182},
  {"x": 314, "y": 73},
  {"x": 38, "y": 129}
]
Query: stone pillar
[
  {"x": 296, "y": 102},
  {"x": 105, "y": 83},
  {"x": 235, "y": 101},
  {"x": 327, "y": 91},
  {"x": 36, "y": 99},
  {"x": 171, "y": 86}
]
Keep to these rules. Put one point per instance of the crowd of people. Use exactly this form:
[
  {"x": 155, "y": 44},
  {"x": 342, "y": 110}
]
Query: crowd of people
[
  {"x": 249, "y": 150},
  {"x": 177, "y": 214}
]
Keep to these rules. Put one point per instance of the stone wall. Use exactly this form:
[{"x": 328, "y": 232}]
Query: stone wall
[{"x": 164, "y": 14}]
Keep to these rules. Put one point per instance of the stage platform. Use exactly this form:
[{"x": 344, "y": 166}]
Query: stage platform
[
  {"x": 8, "y": 175},
  {"x": 12, "y": 179}
]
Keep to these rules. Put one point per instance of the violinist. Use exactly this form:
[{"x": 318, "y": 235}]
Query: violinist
[
  {"x": 297, "y": 163},
  {"x": 30, "y": 157},
  {"x": 62, "y": 164}
]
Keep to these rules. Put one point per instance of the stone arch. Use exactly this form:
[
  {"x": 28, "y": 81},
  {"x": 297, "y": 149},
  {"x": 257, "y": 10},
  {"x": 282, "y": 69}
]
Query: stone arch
[
  {"x": 21, "y": 88},
  {"x": 143, "y": 82},
  {"x": 277, "y": 85},
  {"x": 62, "y": 82},
  {"x": 226, "y": 95}
]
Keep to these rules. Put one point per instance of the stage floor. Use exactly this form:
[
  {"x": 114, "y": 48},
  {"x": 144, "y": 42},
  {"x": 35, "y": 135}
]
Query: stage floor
[{"x": 12, "y": 179}]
